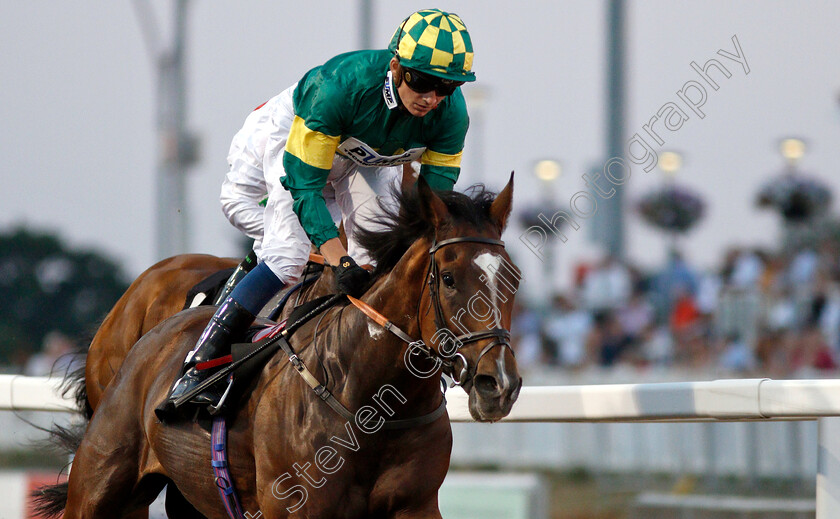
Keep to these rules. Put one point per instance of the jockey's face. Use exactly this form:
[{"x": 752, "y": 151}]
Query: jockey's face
[{"x": 417, "y": 104}]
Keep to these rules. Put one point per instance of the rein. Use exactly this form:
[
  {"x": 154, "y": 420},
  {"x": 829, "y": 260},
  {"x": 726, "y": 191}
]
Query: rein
[
  {"x": 325, "y": 394},
  {"x": 467, "y": 372}
]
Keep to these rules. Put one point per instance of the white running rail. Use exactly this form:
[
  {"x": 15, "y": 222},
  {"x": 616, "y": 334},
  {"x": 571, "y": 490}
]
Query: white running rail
[
  {"x": 719, "y": 400},
  {"x": 20, "y": 393}
]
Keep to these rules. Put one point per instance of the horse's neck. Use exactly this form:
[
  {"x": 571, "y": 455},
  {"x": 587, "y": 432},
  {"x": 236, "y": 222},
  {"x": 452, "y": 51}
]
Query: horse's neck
[
  {"x": 324, "y": 285},
  {"x": 376, "y": 356}
]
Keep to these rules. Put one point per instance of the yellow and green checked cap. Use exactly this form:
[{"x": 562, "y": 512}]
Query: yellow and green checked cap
[{"x": 435, "y": 42}]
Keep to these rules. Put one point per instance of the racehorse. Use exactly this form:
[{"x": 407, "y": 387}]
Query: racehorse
[{"x": 432, "y": 258}]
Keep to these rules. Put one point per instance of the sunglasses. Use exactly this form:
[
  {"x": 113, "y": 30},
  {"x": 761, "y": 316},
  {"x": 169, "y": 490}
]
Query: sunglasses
[{"x": 423, "y": 83}]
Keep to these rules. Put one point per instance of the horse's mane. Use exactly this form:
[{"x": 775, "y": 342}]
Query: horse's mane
[{"x": 402, "y": 224}]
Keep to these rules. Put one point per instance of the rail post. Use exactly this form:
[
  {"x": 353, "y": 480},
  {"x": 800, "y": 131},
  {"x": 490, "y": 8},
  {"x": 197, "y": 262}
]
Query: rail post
[{"x": 828, "y": 467}]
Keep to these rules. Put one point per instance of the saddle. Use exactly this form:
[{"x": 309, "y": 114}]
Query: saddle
[{"x": 250, "y": 356}]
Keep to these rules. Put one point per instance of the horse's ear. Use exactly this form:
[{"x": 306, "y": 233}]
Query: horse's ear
[
  {"x": 501, "y": 206},
  {"x": 433, "y": 209}
]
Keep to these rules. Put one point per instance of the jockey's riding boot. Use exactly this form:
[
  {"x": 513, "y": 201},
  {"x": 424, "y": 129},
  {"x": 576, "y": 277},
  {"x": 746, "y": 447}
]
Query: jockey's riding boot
[
  {"x": 241, "y": 270},
  {"x": 229, "y": 321}
]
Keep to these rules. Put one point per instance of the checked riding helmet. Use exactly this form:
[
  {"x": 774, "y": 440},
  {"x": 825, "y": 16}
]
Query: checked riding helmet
[{"x": 436, "y": 43}]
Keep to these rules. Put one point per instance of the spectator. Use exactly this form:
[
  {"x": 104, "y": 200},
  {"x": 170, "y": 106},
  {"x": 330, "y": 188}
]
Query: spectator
[
  {"x": 567, "y": 327},
  {"x": 611, "y": 345},
  {"x": 829, "y": 318},
  {"x": 708, "y": 294},
  {"x": 57, "y": 357},
  {"x": 687, "y": 329},
  {"x": 526, "y": 336},
  {"x": 803, "y": 268},
  {"x": 657, "y": 346},
  {"x": 747, "y": 270},
  {"x": 676, "y": 278},
  {"x": 781, "y": 312},
  {"x": 774, "y": 277},
  {"x": 608, "y": 286},
  {"x": 766, "y": 314},
  {"x": 736, "y": 355},
  {"x": 811, "y": 353},
  {"x": 636, "y": 317},
  {"x": 685, "y": 314}
]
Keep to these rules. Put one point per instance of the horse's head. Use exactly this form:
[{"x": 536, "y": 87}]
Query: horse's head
[{"x": 465, "y": 312}]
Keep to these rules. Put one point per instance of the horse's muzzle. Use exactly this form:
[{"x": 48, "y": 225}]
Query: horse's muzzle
[{"x": 492, "y": 396}]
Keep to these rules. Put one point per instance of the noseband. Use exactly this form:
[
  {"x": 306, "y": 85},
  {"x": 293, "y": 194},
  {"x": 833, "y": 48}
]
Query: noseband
[{"x": 501, "y": 335}]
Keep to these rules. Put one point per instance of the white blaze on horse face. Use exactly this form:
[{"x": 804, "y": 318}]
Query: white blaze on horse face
[{"x": 490, "y": 264}]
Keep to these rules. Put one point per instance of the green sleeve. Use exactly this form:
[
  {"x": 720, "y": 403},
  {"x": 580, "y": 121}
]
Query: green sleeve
[
  {"x": 306, "y": 186},
  {"x": 318, "y": 100},
  {"x": 438, "y": 178}
]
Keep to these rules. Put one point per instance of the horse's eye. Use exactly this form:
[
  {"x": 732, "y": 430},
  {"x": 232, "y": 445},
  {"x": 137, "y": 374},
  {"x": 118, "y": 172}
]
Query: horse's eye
[{"x": 448, "y": 280}]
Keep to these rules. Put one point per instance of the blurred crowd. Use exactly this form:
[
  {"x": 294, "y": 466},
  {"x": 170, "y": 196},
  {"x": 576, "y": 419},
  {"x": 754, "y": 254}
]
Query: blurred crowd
[{"x": 759, "y": 314}]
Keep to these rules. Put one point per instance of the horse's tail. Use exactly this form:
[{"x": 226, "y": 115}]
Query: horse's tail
[
  {"x": 49, "y": 501},
  {"x": 74, "y": 386}
]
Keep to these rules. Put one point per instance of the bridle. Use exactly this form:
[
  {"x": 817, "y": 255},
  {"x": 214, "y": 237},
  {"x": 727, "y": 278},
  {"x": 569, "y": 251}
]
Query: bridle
[
  {"x": 501, "y": 335},
  {"x": 447, "y": 362}
]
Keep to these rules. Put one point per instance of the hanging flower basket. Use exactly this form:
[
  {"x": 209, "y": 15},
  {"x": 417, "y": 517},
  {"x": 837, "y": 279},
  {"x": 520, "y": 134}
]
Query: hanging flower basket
[
  {"x": 797, "y": 198},
  {"x": 672, "y": 209}
]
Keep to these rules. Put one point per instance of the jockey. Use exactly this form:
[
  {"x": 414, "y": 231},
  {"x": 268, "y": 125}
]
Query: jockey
[{"x": 344, "y": 130}]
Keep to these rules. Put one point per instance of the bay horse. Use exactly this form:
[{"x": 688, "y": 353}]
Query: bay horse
[{"x": 433, "y": 257}]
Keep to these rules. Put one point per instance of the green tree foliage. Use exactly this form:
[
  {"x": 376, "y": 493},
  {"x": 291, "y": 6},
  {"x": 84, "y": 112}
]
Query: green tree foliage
[{"x": 45, "y": 286}]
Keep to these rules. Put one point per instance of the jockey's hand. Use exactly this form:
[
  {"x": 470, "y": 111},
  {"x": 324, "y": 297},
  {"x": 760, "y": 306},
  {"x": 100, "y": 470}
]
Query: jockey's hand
[{"x": 350, "y": 278}]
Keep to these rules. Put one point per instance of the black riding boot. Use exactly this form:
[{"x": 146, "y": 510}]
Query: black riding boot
[{"x": 230, "y": 320}]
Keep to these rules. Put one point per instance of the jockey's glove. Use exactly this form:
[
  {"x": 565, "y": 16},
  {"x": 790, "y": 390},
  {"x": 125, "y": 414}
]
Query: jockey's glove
[{"x": 350, "y": 278}]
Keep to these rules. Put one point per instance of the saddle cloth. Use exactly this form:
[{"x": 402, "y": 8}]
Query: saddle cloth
[{"x": 206, "y": 290}]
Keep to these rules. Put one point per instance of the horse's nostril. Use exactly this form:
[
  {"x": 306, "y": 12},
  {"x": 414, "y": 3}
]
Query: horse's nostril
[
  {"x": 515, "y": 394},
  {"x": 486, "y": 384}
]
